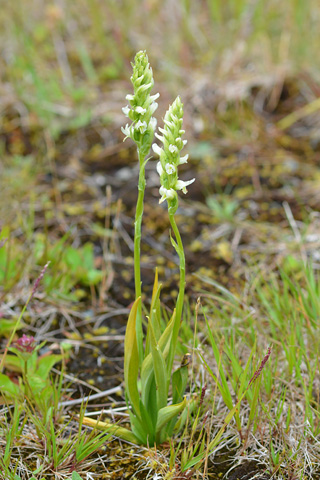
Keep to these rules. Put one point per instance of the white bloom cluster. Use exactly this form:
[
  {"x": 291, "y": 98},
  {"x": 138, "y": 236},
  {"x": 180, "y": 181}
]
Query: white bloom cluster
[
  {"x": 142, "y": 105},
  {"x": 169, "y": 155}
]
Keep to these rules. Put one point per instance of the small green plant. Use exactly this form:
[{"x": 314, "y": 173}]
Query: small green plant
[
  {"x": 224, "y": 208},
  {"x": 71, "y": 268},
  {"x": 148, "y": 359},
  {"x": 66, "y": 447},
  {"x": 148, "y": 369},
  {"x": 34, "y": 369}
]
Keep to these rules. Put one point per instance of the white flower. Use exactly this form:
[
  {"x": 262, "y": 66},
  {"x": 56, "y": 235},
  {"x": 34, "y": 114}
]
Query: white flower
[
  {"x": 153, "y": 107},
  {"x": 156, "y": 149},
  {"x": 173, "y": 149},
  {"x": 166, "y": 194},
  {"x": 129, "y": 97},
  {"x": 159, "y": 169},
  {"x": 141, "y": 126},
  {"x": 153, "y": 123},
  {"x": 126, "y": 131},
  {"x": 154, "y": 97},
  {"x": 126, "y": 110},
  {"x": 140, "y": 110},
  {"x": 170, "y": 169},
  {"x": 184, "y": 159},
  {"x": 181, "y": 185},
  {"x": 159, "y": 137}
]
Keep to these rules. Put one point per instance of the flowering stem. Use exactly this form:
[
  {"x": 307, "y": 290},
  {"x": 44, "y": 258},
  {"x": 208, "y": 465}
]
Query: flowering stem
[
  {"x": 35, "y": 286},
  {"x": 182, "y": 283},
  {"x": 137, "y": 243}
]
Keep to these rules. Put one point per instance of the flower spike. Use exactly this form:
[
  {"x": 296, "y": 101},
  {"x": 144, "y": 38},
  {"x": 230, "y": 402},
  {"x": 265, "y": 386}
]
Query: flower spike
[
  {"x": 142, "y": 105},
  {"x": 169, "y": 155}
]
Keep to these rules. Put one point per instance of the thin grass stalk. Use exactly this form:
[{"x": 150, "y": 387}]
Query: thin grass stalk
[{"x": 182, "y": 283}]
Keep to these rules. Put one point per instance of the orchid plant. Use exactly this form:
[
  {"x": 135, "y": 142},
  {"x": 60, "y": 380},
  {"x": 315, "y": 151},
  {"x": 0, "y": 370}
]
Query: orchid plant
[{"x": 148, "y": 358}]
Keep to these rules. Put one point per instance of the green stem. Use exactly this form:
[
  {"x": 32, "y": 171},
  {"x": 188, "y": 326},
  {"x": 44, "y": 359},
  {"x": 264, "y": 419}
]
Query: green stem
[
  {"x": 180, "y": 299},
  {"x": 137, "y": 242}
]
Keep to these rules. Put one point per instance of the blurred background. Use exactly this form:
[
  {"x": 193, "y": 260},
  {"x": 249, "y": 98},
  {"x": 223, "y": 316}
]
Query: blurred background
[
  {"x": 248, "y": 74},
  {"x": 65, "y": 62}
]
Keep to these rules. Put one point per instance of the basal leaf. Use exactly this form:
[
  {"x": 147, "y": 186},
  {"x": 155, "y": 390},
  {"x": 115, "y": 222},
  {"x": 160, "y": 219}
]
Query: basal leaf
[
  {"x": 160, "y": 371},
  {"x": 147, "y": 370},
  {"x": 46, "y": 363},
  {"x": 115, "y": 430},
  {"x": 8, "y": 387},
  {"x": 131, "y": 359},
  {"x": 168, "y": 412}
]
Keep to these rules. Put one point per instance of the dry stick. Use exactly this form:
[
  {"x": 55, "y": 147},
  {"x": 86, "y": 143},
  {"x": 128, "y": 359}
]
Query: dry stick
[{"x": 90, "y": 397}]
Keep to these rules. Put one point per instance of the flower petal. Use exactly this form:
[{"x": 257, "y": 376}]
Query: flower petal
[
  {"x": 156, "y": 149},
  {"x": 153, "y": 123},
  {"x": 166, "y": 194},
  {"x": 170, "y": 169},
  {"x": 139, "y": 109},
  {"x": 159, "y": 169},
  {"x": 181, "y": 185},
  {"x": 183, "y": 159},
  {"x": 173, "y": 149},
  {"x": 141, "y": 126},
  {"x": 159, "y": 137},
  {"x": 126, "y": 110}
]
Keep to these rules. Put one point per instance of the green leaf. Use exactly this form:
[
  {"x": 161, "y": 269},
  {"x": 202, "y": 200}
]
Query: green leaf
[
  {"x": 7, "y": 386},
  {"x": 179, "y": 383},
  {"x": 151, "y": 401},
  {"x": 36, "y": 383},
  {"x": 93, "y": 276},
  {"x": 46, "y": 363},
  {"x": 148, "y": 422},
  {"x": 160, "y": 371},
  {"x": 115, "y": 430},
  {"x": 75, "y": 476},
  {"x": 138, "y": 429},
  {"x": 147, "y": 370},
  {"x": 154, "y": 317},
  {"x": 168, "y": 412},
  {"x": 131, "y": 359},
  {"x": 7, "y": 325},
  {"x": 174, "y": 244}
]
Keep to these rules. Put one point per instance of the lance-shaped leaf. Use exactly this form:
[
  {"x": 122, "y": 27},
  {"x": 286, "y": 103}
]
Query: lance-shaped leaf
[
  {"x": 115, "y": 430},
  {"x": 168, "y": 412},
  {"x": 138, "y": 428},
  {"x": 160, "y": 370},
  {"x": 131, "y": 359},
  {"x": 147, "y": 369},
  {"x": 154, "y": 317}
]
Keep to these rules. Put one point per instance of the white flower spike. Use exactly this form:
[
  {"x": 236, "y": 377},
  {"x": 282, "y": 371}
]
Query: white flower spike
[
  {"x": 142, "y": 105},
  {"x": 169, "y": 155}
]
